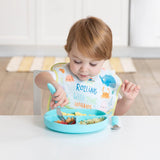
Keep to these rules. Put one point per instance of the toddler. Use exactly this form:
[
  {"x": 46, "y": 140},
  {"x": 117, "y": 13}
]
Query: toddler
[{"x": 83, "y": 82}]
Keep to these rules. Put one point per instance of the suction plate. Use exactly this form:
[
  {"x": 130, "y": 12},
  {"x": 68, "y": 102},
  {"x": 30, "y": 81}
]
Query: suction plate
[{"x": 51, "y": 116}]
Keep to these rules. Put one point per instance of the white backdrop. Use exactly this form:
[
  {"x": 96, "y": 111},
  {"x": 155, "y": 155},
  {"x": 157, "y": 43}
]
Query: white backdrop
[{"x": 145, "y": 23}]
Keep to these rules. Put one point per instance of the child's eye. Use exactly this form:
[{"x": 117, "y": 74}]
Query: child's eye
[
  {"x": 77, "y": 62},
  {"x": 93, "y": 65}
]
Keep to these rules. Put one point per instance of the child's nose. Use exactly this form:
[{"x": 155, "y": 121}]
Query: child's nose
[{"x": 83, "y": 68}]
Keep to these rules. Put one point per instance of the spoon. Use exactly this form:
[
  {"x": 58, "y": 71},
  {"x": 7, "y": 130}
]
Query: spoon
[
  {"x": 58, "y": 109},
  {"x": 114, "y": 122}
]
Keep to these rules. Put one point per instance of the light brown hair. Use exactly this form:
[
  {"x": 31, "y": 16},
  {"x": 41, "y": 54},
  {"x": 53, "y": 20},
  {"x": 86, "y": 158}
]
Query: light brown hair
[{"x": 93, "y": 38}]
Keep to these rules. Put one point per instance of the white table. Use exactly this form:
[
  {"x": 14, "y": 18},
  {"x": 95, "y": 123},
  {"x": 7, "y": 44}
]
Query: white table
[{"x": 26, "y": 138}]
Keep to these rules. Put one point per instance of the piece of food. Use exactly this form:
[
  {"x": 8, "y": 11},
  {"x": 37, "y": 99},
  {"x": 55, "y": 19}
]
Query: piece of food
[
  {"x": 69, "y": 120},
  {"x": 61, "y": 122},
  {"x": 79, "y": 114},
  {"x": 92, "y": 121},
  {"x": 68, "y": 114}
]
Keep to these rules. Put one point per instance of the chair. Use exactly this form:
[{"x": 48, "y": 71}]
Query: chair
[{"x": 37, "y": 96}]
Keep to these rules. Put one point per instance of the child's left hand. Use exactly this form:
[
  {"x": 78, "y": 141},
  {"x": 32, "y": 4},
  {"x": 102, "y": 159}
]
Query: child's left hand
[{"x": 130, "y": 90}]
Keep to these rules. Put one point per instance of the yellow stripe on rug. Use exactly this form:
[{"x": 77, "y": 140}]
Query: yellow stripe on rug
[
  {"x": 25, "y": 64},
  {"x": 29, "y": 64},
  {"x": 48, "y": 62},
  {"x": 116, "y": 65}
]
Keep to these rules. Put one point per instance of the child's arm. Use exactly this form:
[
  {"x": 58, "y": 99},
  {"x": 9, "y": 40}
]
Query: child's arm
[
  {"x": 41, "y": 81},
  {"x": 130, "y": 91},
  {"x": 43, "y": 78}
]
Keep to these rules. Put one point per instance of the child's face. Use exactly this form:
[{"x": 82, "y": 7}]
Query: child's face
[{"x": 84, "y": 68}]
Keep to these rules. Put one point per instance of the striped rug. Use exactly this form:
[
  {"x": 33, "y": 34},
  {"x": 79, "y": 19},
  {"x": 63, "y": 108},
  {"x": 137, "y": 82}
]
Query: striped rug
[{"x": 28, "y": 64}]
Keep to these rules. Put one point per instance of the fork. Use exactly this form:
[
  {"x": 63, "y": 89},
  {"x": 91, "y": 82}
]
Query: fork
[
  {"x": 58, "y": 109},
  {"x": 59, "y": 113}
]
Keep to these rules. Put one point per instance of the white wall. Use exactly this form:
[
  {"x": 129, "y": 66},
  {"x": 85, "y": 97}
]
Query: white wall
[
  {"x": 145, "y": 23},
  {"x": 26, "y": 28}
]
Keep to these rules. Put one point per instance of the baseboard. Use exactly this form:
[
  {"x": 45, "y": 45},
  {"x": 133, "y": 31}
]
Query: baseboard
[{"x": 135, "y": 52}]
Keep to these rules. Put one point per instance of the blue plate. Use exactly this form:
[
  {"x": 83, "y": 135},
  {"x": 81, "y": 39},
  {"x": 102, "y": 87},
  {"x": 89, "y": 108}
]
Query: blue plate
[{"x": 51, "y": 116}]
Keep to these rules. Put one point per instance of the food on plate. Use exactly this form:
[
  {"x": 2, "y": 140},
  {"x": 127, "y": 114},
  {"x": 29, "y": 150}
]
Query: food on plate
[
  {"x": 79, "y": 114},
  {"x": 72, "y": 120},
  {"x": 92, "y": 121},
  {"x": 75, "y": 114},
  {"x": 67, "y": 114},
  {"x": 69, "y": 120}
]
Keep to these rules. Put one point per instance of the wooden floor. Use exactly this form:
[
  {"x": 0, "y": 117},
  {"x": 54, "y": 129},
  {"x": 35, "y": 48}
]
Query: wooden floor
[{"x": 16, "y": 89}]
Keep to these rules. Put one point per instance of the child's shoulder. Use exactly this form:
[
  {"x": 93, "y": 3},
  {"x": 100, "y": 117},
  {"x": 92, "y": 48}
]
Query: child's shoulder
[{"x": 59, "y": 70}]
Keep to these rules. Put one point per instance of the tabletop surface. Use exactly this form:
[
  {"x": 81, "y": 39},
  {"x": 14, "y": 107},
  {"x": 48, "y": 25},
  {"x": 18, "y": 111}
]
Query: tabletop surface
[{"x": 26, "y": 137}]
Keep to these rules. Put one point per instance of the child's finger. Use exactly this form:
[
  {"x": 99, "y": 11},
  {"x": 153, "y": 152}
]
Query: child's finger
[
  {"x": 58, "y": 98},
  {"x": 128, "y": 86},
  {"x": 65, "y": 102},
  {"x": 126, "y": 82},
  {"x": 59, "y": 102},
  {"x": 55, "y": 94},
  {"x": 58, "y": 92},
  {"x": 122, "y": 87},
  {"x": 137, "y": 88},
  {"x": 51, "y": 104},
  {"x": 53, "y": 98},
  {"x": 132, "y": 88}
]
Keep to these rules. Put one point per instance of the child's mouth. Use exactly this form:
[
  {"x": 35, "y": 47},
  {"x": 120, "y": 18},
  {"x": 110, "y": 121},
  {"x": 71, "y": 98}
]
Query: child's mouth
[{"x": 83, "y": 76}]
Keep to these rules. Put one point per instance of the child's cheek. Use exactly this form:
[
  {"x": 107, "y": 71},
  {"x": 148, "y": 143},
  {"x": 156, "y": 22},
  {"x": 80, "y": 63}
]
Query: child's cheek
[
  {"x": 97, "y": 70},
  {"x": 74, "y": 69}
]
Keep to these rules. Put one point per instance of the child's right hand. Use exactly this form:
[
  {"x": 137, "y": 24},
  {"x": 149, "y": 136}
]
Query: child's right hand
[{"x": 59, "y": 96}]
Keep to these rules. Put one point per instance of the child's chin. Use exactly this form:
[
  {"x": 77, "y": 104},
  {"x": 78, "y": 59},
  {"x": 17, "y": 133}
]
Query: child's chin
[{"x": 83, "y": 79}]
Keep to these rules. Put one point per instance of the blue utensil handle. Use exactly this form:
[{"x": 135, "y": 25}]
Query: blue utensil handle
[
  {"x": 115, "y": 120},
  {"x": 51, "y": 89}
]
